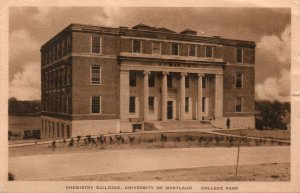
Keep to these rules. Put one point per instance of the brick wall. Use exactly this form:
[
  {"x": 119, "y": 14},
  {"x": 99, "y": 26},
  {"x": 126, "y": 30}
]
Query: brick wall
[{"x": 231, "y": 92}]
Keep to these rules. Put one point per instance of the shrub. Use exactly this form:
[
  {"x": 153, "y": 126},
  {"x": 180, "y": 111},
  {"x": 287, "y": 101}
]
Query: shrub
[
  {"x": 78, "y": 138},
  {"x": 11, "y": 176}
]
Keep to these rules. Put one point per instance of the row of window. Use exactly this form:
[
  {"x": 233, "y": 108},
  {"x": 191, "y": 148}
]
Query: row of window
[
  {"x": 96, "y": 104},
  {"x": 61, "y": 104},
  {"x": 57, "y": 51},
  {"x": 174, "y": 50},
  {"x": 57, "y": 78},
  {"x": 60, "y": 132},
  {"x": 151, "y": 80}
]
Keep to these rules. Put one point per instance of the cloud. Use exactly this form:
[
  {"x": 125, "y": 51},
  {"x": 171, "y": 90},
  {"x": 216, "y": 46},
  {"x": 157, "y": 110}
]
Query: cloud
[
  {"x": 280, "y": 47},
  {"x": 22, "y": 44},
  {"x": 26, "y": 84},
  {"x": 274, "y": 59},
  {"x": 109, "y": 17},
  {"x": 274, "y": 88}
]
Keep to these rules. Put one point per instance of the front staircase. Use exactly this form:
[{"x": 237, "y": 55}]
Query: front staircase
[{"x": 177, "y": 125}]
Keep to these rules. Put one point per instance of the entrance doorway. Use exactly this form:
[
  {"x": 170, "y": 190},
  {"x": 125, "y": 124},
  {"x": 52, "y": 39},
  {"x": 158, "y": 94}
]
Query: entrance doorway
[{"x": 170, "y": 110}]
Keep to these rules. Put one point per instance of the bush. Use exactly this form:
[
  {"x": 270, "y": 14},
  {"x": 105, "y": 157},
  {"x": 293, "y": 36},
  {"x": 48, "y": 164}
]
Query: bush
[
  {"x": 78, "y": 138},
  {"x": 11, "y": 176}
]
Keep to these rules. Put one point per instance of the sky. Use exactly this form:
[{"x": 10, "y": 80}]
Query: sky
[{"x": 31, "y": 27}]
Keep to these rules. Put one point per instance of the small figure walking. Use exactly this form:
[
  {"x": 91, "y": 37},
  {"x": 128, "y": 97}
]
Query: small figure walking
[{"x": 228, "y": 123}]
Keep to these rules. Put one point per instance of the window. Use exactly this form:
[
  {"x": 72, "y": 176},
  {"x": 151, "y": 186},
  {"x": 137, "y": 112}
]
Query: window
[
  {"x": 203, "y": 82},
  {"x": 68, "y": 75},
  {"x": 156, "y": 49},
  {"x": 95, "y": 75},
  {"x": 64, "y": 48},
  {"x": 132, "y": 104},
  {"x": 136, "y": 46},
  {"x": 203, "y": 104},
  {"x": 132, "y": 79},
  {"x": 96, "y": 105},
  {"x": 151, "y": 80},
  {"x": 192, "y": 50},
  {"x": 151, "y": 103},
  {"x": 174, "y": 49},
  {"x": 54, "y": 53},
  {"x": 239, "y": 80},
  {"x": 239, "y": 55},
  {"x": 187, "y": 99},
  {"x": 68, "y": 131},
  {"x": 169, "y": 81},
  {"x": 96, "y": 44},
  {"x": 57, "y": 129},
  {"x": 59, "y": 54},
  {"x": 238, "y": 105},
  {"x": 187, "y": 81},
  {"x": 62, "y": 131},
  {"x": 68, "y": 44},
  {"x": 208, "y": 51}
]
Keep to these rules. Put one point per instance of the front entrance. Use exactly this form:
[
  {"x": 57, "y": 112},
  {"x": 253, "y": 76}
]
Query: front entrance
[{"x": 170, "y": 110}]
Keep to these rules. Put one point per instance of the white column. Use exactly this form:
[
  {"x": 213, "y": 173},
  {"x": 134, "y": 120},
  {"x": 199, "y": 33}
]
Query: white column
[
  {"x": 146, "y": 95},
  {"x": 199, "y": 97},
  {"x": 164, "y": 97},
  {"x": 124, "y": 95},
  {"x": 218, "y": 95},
  {"x": 182, "y": 97}
]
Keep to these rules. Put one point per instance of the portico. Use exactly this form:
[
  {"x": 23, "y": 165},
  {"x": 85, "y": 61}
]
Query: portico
[{"x": 179, "y": 93}]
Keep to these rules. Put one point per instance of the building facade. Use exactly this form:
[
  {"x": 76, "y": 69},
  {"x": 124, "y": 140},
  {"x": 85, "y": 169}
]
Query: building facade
[{"x": 98, "y": 80}]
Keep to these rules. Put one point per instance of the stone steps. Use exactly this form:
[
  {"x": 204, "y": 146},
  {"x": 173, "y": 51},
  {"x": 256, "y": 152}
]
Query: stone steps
[{"x": 177, "y": 125}]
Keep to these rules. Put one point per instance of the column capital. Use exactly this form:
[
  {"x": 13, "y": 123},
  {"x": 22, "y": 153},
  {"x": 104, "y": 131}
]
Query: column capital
[
  {"x": 165, "y": 73},
  {"x": 146, "y": 72},
  {"x": 219, "y": 75},
  {"x": 183, "y": 73},
  {"x": 201, "y": 74}
]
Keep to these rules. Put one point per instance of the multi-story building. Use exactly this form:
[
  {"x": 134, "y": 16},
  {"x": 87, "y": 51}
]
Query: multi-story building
[{"x": 106, "y": 80}]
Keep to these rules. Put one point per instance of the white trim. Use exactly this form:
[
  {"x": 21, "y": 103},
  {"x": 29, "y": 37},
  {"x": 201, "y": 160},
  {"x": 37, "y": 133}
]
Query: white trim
[
  {"x": 178, "y": 47},
  {"x": 160, "y": 46},
  {"x": 241, "y": 65},
  {"x": 212, "y": 51},
  {"x": 100, "y": 74},
  {"x": 242, "y": 80},
  {"x": 100, "y": 105},
  {"x": 242, "y": 57},
  {"x": 141, "y": 48},
  {"x": 196, "y": 50},
  {"x": 170, "y": 41},
  {"x": 91, "y": 45},
  {"x": 241, "y": 104}
]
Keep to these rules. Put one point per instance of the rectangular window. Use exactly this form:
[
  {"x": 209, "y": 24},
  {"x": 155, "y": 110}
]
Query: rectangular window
[
  {"x": 169, "y": 81},
  {"x": 59, "y": 54},
  {"x": 132, "y": 79},
  {"x": 208, "y": 51},
  {"x": 239, "y": 55},
  {"x": 203, "y": 104},
  {"x": 57, "y": 129},
  {"x": 151, "y": 103},
  {"x": 156, "y": 49},
  {"x": 62, "y": 131},
  {"x": 239, "y": 80},
  {"x": 238, "y": 104},
  {"x": 54, "y": 53},
  {"x": 187, "y": 99},
  {"x": 136, "y": 46},
  {"x": 174, "y": 49},
  {"x": 151, "y": 80},
  {"x": 203, "y": 82},
  {"x": 96, "y": 44},
  {"x": 95, "y": 75},
  {"x": 68, "y": 75},
  {"x": 132, "y": 104},
  {"x": 187, "y": 81},
  {"x": 96, "y": 104},
  {"x": 69, "y": 46},
  {"x": 192, "y": 50}
]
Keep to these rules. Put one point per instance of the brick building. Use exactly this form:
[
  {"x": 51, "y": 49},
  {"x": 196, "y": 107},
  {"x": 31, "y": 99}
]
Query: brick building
[{"x": 105, "y": 80}]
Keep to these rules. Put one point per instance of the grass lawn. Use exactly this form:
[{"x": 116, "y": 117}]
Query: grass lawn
[
  {"x": 262, "y": 172},
  {"x": 272, "y": 134}
]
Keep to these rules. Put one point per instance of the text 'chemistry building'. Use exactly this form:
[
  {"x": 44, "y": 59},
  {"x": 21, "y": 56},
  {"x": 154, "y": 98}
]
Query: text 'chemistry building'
[{"x": 98, "y": 80}]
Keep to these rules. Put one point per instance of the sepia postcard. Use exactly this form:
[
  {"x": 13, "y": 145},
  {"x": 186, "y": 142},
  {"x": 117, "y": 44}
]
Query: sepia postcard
[{"x": 137, "y": 96}]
